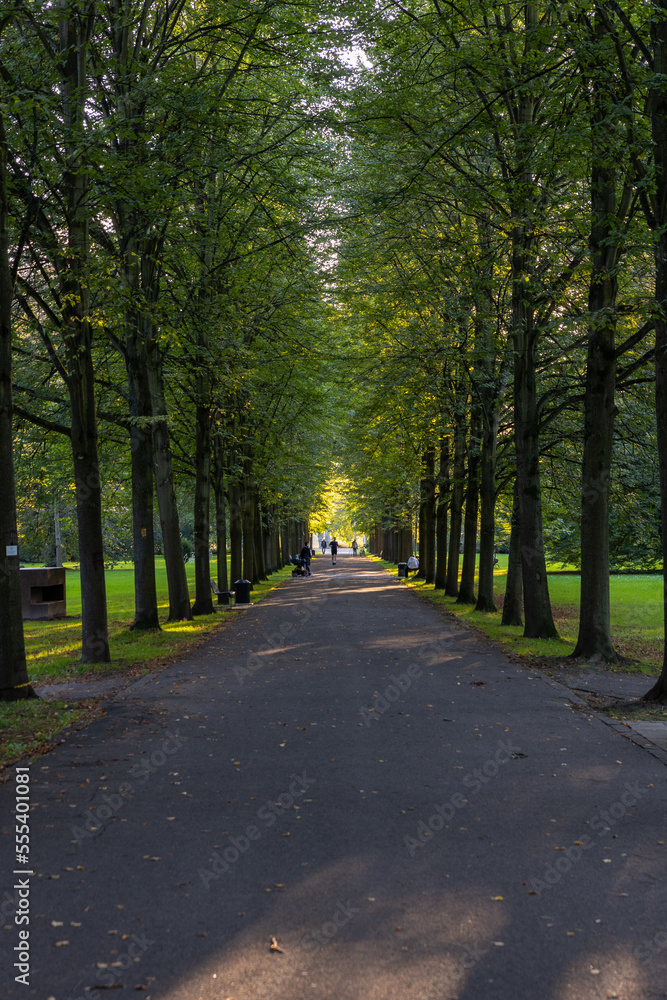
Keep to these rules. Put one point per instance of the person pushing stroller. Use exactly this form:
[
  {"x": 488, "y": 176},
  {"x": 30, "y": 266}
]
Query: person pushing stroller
[{"x": 306, "y": 555}]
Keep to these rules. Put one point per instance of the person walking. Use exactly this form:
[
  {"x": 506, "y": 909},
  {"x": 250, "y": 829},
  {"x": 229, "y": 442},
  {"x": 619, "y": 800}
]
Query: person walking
[
  {"x": 306, "y": 555},
  {"x": 324, "y": 546},
  {"x": 333, "y": 545},
  {"x": 355, "y": 546}
]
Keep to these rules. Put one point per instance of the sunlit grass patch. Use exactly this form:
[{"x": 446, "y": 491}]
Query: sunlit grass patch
[
  {"x": 636, "y": 617},
  {"x": 53, "y": 651},
  {"x": 53, "y": 648}
]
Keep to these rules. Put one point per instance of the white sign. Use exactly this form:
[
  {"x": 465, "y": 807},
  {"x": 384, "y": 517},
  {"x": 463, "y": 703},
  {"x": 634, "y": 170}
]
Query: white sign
[{"x": 11, "y": 550}]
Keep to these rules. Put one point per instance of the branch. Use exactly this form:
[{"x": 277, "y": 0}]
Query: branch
[{"x": 48, "y": 425}]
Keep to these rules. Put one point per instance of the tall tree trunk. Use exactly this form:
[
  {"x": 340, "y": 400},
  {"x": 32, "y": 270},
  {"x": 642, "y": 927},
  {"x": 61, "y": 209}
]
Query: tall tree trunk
[
  {"x": 138, "y": 267},
  {"x": 248, "y": 518},
  {"x": 456, "y": 505},
  {"x": 141, "y": 451},
  {"x": 441, "y": 515},
  {"x": 537, "y": 605},
  {"x": 284, "y": 540},
  {"x": 202, "y": 502},
  {"x": 429, "y": 514},
  {"x": 466, "y": 593},
  {"x": 77, "y": 332},
  {"x": 260, "y": 564},
  {"x": 14, "y": 682},
  {"x": 220, "y": 518},
  {"x": 487, "y": 496},
  {"x": 421, "y": 521},
  {"x": 404, "y": 543},
  {"x": 235, "y": 528},
  {"x": 513, "y": 602},
  {"x": 177, "y": 584},
  {"x": 594, "y": 638},
  {"x": 659, "y": 134},
  {"x": 490, "y": 389}
]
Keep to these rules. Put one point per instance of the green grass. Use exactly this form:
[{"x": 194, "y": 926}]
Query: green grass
[
  {"x": 636, "y": 617},
  {"x": 29, "y": 726},
  {"x": 53, "y": 650}
]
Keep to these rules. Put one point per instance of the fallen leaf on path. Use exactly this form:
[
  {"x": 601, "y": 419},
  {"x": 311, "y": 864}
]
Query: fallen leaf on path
[
  {"x": 497, "y": 899},
  {"x": 275, "y": 946}
]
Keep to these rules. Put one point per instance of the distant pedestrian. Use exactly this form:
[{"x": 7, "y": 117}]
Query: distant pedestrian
[
  {"x": 333, "y": 545},
  {"x": 306, "y": 555},
  {"x": 324, "y": 546},
  {"x": 355, "y": 546}
]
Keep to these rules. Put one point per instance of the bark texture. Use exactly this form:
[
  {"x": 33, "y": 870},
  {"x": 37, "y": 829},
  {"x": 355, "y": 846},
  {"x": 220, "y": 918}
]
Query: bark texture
[
  {"x": 14, "y": 682},
  {"x": 513, "y": 601},
  {"x": 77, "y": 335},
  {"x": 177, "y": 584},
  {"x": 659, "y": 131},
  {"x": 594, "y": 639},
  {"x": 466, "y": 593},
  {"x": 456, "y": 505},
  {"x": 441, "y": 516}
]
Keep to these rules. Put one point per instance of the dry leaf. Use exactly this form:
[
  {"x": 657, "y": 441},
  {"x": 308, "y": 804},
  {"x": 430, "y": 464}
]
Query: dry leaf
[
  {"x": 61, "y": 944},
  {"x": 275, "y": 946},
  {"x": 497, "y": 899}
]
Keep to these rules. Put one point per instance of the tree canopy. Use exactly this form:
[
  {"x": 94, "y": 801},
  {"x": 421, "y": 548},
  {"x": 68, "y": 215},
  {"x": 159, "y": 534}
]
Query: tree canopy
[{"x": 260, "y": 260}]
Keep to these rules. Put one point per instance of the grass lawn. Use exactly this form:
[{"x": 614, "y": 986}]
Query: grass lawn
[
  {"x": 636, "y": 617},
  {"x": 53, "y": 649}
]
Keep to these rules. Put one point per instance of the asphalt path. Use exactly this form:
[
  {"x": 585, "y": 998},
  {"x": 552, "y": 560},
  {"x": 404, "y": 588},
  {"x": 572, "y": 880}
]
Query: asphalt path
[{"x": 349, "y": 772}]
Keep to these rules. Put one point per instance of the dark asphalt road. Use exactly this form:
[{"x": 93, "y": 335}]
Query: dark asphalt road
[{"x": 472, "y": 837}]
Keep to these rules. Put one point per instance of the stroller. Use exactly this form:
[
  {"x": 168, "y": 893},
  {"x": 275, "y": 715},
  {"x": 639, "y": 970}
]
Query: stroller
[{"x": 299, "y": 566}]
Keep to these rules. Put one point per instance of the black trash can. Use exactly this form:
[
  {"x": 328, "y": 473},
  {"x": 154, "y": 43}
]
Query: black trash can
[
  {"x": 402, "y": 569},
  {"x": 242, "y": 592}
]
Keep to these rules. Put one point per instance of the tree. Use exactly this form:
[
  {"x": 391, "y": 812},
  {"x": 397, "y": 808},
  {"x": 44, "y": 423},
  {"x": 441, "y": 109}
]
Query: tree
[{"x": 14, "y": 682}]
